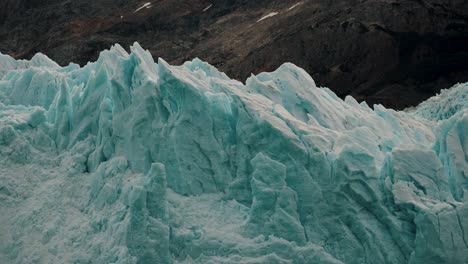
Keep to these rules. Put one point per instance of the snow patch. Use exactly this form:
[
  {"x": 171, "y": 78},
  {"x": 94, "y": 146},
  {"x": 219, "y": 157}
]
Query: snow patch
[
  {"x": 146, "y": 5},
  {"x": 272, "y": 14},
  {"x": 206, "y": 8},
  {"x": 294, "y": 6}
]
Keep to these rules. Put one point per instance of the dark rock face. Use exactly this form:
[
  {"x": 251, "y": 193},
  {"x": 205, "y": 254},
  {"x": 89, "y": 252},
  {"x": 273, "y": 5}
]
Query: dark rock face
[{"x": 393, "y": 52}]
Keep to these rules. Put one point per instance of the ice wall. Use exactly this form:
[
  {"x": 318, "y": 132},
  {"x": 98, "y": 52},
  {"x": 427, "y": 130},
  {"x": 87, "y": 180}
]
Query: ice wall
[{"x": 130, "y": 161}]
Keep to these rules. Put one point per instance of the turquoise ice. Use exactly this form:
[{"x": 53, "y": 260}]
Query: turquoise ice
[{"x": 126, "y": 160}]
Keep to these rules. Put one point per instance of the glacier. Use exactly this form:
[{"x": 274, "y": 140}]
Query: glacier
[{"x": 128, "y": 160}]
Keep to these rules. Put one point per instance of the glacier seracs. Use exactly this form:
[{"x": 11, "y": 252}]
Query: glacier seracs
[{"x": 126, "y": 160}]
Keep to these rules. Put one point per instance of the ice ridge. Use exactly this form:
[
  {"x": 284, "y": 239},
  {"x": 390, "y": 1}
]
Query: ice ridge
[{"x": 126, "y": 160}]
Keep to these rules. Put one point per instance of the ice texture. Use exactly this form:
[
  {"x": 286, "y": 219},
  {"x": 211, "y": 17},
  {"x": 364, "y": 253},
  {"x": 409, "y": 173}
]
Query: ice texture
[
  {"x": 446, "y": 104},
  {"x": 126, "y": 160}
]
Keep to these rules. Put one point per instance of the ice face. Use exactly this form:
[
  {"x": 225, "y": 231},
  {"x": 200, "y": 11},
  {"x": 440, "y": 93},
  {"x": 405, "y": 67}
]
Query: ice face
[
  {"x": 130, "y": 161},
  {"x": 446, "y": 104}
]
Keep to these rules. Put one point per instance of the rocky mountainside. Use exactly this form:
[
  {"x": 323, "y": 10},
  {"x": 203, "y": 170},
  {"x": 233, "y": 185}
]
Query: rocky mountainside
[{"x": 393, "y": 52}]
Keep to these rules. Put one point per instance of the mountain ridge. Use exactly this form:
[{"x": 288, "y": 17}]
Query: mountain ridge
[{"x": 397, "y": 53}]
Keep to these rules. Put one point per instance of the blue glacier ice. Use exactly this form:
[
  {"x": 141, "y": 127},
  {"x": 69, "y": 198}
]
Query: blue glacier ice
[{"x": 127, "y": 160}]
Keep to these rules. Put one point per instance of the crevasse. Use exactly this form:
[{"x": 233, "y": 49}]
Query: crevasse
[{"x": 126, "y": 160}]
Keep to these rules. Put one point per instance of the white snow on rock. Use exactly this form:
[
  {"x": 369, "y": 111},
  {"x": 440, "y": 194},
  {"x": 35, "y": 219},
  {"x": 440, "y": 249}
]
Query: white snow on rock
[
  {"x": 272, "y": 14},
  {"x": 208, "y": 7},
  {"x": 294, "y": 6},
  {"x": 145, "y": 5}
]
